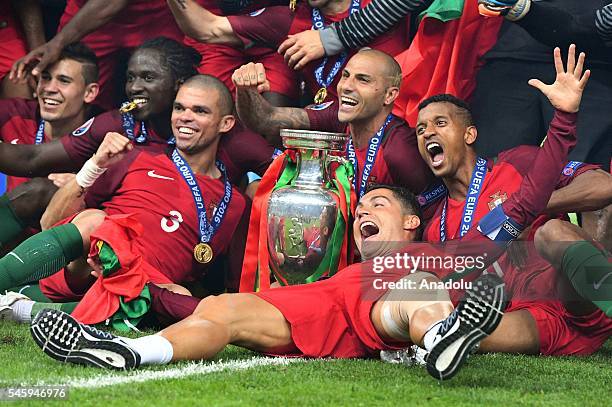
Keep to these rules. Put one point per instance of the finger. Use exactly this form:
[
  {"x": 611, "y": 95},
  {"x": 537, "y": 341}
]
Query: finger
[
  {"x": 585, "y": 79},
  {"x": 288, "y": 43},
  {"x": 558, "y": 61},
  {"x": 579, "y": 65},
  {"x": 538, "y": 84},
  {"x": 571, "y": 58},
  {"x": 42, "y": 64},
  {"x": 261, "y": 73},
  {"x": 303, "y": 62},
  {"x": 265, "y": 87},
  {"x": 295, "y": 59}
]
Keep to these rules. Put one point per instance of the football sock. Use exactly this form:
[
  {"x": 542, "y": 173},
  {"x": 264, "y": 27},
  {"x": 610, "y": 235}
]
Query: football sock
[
  {"x": 33, "y": 292},
  {"x": 40, "y": 256},
  {"x": 11, "y": 225},
  {"x": 590, "y": 273},
  {"x": 25, "y": 310},
  {"x": 171, "y": 307},
  {"x": 430, "y": 335},
  {"x": 153, "y": 349}
]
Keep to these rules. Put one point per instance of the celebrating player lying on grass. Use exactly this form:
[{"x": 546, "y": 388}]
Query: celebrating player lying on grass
[
  {"x": 170, "y": 216},
  {"x": 65, "y": 90},
  {"x": 368, "y": 86},
  {"x": 344, "y": 316}
]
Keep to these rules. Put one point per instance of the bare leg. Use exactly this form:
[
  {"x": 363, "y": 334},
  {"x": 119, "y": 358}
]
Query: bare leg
[
  {"x": 406, "y": 315},
  {"x": 552, "y": 240},
  {"x": 240, "y": 319},
  {"x": 517, "y": 333}
]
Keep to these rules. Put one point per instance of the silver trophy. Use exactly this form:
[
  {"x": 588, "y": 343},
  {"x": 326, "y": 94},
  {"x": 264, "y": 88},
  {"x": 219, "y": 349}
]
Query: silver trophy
[{"x": 302, "y": 215}]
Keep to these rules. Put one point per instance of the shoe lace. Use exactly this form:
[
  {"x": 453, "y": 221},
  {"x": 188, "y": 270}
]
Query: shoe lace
[{"x": 98, "y": 332}]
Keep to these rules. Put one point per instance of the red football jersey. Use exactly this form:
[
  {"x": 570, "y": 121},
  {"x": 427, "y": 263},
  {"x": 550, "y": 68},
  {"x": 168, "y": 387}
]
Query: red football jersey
[
  {"x": 19, "y": 119},
  {"x": 13, "y": 45},
  {"x": 274, "y": 24},
  {"x": 398, "y": 161},
  {"x": 149, "y": 186}
]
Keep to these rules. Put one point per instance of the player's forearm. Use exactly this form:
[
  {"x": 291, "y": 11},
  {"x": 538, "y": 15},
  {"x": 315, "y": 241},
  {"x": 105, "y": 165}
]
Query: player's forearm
[
  {"x": 30, "y": 16},
  {"x": 537, "y": 186},
  {"x": 589, "y": 191},
  {"x": 68, "y": 200},
  {"x": 260, "y": 116},
  {"x": 202, "y": 25},
  {"x": 24, "y": 160},
  {"x": 93, "y": 15}
]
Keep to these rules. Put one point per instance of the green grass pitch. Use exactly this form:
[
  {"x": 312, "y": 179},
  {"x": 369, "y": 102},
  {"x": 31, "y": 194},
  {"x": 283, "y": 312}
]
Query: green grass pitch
[{"x": 485, "y": 380}]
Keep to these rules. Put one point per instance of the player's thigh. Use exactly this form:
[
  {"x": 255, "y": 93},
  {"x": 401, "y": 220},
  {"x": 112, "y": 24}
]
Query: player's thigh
[
  {"x": 252, "y": 322},
  {"x": 517, "y": 333}
]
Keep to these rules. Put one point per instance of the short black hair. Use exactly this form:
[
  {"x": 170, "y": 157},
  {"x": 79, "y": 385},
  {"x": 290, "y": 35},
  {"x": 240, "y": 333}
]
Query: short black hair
[
  {"x": 226, "y": 102},
  {"x": 180, "y": 59},
  {"x": 77, "y": 51},
  {"x": 407, "y": 200},
  {"x": 461, "y": 106}
]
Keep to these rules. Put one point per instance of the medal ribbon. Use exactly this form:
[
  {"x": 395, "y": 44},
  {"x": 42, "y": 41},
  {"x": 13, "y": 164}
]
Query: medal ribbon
[
  {"x": 317, "y": 24},
  {"x": 40, "y": 133},
  {"x": 471, "y": 200},
  {"x": 128, "y": 127},
  {"x": 373, "y": 146},
  {"x": 207, "y": 230}
]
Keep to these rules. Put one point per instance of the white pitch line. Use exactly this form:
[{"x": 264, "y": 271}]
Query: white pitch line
[{"x": 192, "y": 369}]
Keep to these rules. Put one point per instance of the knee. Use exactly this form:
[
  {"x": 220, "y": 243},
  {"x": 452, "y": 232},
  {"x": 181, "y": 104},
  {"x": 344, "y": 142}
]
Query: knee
[
  {"x": 30, "y": 199},
  {"x": 88, "y": 221},
  {"x": 214, "y": 305},
  {"x": 555, "y": 230}
]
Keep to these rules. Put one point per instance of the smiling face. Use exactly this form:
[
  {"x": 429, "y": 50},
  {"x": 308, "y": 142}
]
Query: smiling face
[
  {"x": 381, "y": 221},
  {"x": 365, "y": 89},
  {"x": 149, "y": 83},
  {"x": 444, "y": 138},
  {"x": 62, "y": 92},
  {"x": 197, "y": 118}
]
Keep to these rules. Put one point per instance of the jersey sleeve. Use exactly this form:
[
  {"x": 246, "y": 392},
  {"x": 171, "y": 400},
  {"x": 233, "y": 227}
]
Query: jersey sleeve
[
  {"x": 406, "y": 166},
  {"x": 82, "y": 143},
  {"x": 242, "y": 151},
  {"x": 507, "y": 220},
  {"x": 268, "y": 27},
  {"x": 324, "y": 117},
  {"x": 108, "y": 183}
]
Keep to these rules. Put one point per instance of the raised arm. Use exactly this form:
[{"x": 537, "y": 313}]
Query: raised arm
[
  {"x": 202, "y": 25},
  {"x": 70, "y": 198},
  {"x": 30, "y": 15},
  {"x": 94, "y": 14},
  {"x": 256, "y": 112}
]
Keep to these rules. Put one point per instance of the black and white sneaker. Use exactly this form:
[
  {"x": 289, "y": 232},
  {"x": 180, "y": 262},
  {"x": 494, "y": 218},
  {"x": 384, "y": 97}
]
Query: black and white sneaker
[
  {"x": 65, "y": 339},
  {"x": 476, "y": 317}
]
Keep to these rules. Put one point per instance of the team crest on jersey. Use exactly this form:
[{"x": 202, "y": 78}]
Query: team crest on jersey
[
  {"x": 497, "y": 199},
  {"x": 320, "y": 106},
  {"x": 83, "y": 129},
  {"x": 257, "y": 12}
]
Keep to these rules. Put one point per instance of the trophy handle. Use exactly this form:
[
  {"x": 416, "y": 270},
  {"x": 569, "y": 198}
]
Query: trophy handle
[{"x": 338, "y": 159}]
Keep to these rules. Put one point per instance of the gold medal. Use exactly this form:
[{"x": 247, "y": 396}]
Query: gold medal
[
  {"x": 320, "y": 96},
  {"x": 203, "y": 253},
  {"x": 292, "y": 5},
  {"x": 128, "y": 107}
]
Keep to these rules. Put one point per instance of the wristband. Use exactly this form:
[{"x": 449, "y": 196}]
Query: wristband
[{"x": 89, "y": 174}]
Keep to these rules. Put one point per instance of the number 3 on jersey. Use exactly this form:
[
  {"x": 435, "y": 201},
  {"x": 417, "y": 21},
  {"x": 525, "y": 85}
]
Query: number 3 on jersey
[{"x": 172, "y": 223}]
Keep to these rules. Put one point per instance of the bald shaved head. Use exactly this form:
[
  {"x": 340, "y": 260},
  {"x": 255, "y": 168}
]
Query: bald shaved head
[
  {"x": 206, "y": 82},
  {"x": 392, "y": 70}
]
